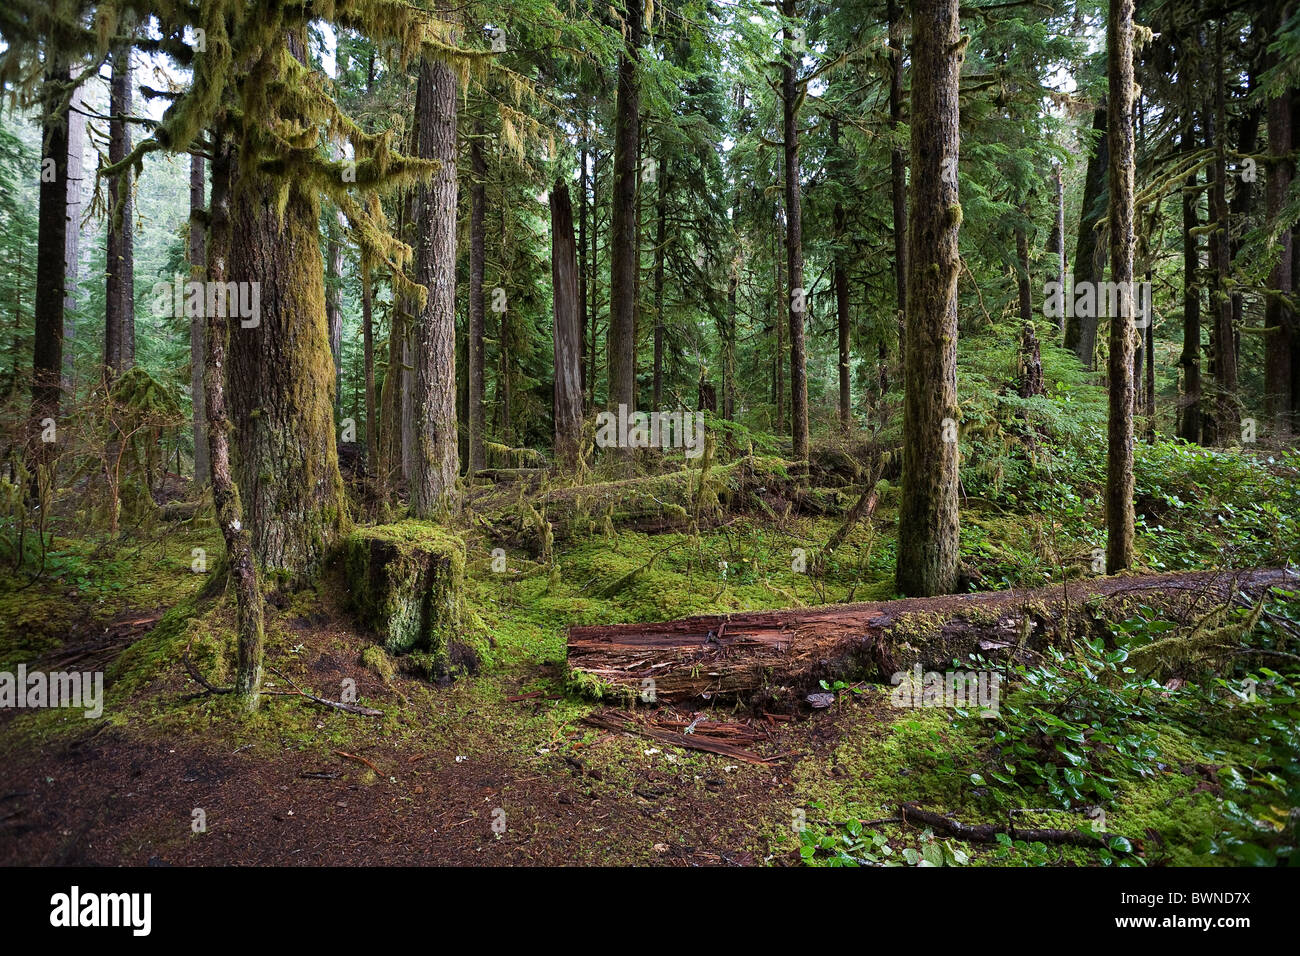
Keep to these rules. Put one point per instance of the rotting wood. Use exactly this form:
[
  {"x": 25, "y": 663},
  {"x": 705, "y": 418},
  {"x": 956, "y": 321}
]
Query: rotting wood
[
  {"x": 771, "y": 659},
  {"x": 709, "y": 740}
]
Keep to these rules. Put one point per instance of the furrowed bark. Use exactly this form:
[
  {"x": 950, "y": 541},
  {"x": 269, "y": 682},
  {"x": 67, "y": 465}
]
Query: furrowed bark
[
  {"x": 567, "y": 332},
  {"x": 928, "y": 519}
]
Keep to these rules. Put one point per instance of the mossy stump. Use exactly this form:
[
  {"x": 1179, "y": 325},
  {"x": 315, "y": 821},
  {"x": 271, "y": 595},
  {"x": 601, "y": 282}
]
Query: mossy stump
[{"x": 406, "y": 582}]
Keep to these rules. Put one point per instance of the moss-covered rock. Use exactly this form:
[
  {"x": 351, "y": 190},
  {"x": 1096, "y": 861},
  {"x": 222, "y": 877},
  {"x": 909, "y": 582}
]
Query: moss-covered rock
[{"x": 406, "y": 581}]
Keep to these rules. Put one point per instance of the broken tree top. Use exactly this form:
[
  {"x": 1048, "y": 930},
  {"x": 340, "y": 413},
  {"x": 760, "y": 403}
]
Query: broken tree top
[{"x": 773, "y": 658}]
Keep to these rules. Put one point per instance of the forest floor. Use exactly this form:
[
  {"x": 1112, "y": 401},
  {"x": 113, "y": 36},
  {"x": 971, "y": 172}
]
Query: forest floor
[{"x": 499, "y": 768}]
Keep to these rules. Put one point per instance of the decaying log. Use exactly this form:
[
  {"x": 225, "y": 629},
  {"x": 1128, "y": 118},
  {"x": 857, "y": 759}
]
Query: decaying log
[
  {"x": 712, "y": 738},
  {"x": 771, "y": 659}
]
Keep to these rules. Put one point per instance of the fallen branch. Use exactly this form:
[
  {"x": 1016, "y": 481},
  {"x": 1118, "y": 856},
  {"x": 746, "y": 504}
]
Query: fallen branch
[
  {"x": 358, "y": 757},
  {"x": 989, "y": 832},
  {"x": 203, "y": 681},
  {"x": 336, "y": 704},
  {"x": 694, "y": 741}
]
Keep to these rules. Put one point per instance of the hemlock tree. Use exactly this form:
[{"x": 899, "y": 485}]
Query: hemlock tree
[{"x": 928, "y": 518}]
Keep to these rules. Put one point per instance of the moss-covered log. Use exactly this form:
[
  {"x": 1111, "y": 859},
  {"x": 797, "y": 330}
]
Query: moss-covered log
[
  {"x": 406, "y": 581},
  {"x": 771, "y": 659}
]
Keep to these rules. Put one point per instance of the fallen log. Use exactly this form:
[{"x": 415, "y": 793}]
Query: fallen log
[
  {"x": 696, "y": 740},
  {"x": 772, "y": 659}
]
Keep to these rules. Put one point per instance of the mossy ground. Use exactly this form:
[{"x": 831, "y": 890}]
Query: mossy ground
[{"x": 571, "y": 792}]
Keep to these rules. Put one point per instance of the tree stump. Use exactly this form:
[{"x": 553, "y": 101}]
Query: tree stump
[{"x": 406, "y": 582}]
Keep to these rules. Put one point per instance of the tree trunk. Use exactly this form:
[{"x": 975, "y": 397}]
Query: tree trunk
[
  {"x": 928, "y": 519},
  {"x": 1119, "y": 454},
  {"x": 1081, "y": 331},
  {"x": 794, "y": 241},
  {"x": 241, "y": 564},
  {"x": 1024, "y": 294},
  {"x": 437, "y": 455},
  {"x": 52, "y": 228},
  {"x": 368, "y": 360},
  {"x": 198, "y": 324},
  {"x": 119, "y": 307},
  {"x": 1281, "y": 341},
  {"x": 281, "y": 377},
  {"x": 661, "y": 239},
  {"x": 476, "y": 363},
  {"x": 567, "y": 332},
  {"x": 623, "y": 253},
  {"x": 72, "y": 240},
  {"x": 1056, "y": 241},
  {"x": 1189, "y": 421},
  {"x": 1223, "y": 423},
  {"x": 334, "y": 309},
  {"x": 583, "y": 310},
  {"x": 782, "y": 304},
  {"x": 898, "y": 176}
]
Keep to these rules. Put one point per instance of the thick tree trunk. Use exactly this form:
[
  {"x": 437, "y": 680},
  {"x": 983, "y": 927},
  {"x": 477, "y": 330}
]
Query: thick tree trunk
[
  {"x": 52, "y": 228},
  {"x": 583, "y": 310},
  {"x": 1024, "y": 293},
  {"x": 794, "y": 241},
  {"x": 280, "y": 375},
  {"x": 368, "y": 360},
  {"x": 928, "y": 518},
  {"x": 623, "y": 251},
  {"x": 897, "y": 178},
  {"x": 1081, "y": 331},
  {"x": 782, "y": 304},
  {"x": 334, "y": 308},
  {"x": 198, "y": 324},
  {"x": 567, "y": 332},
  {"x": 477, "y": 211},
  {"x": 119, "y": 307},
  {"x": 1119, "y": 450},
  {"x": 240, "y": 560},
  {"x": 437, "y": 455}
]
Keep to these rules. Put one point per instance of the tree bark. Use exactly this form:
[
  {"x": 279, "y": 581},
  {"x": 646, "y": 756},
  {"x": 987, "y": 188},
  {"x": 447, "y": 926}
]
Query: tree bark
[
  {"x": 1056, "y": 241},
  {"x": 794, "y": 241},
  {"x": 1222, "y": 424},
  {"x": 119, "y": 306},
  {"x": 437, "y": 455},
  {"x": 1281, "y": 341},
  {"x": 281, "y": 377},
  {"x": 241, "y": 564},
  {"x": 1119, "y": 454},
  {"x": 51, "y": 244},
  {"x": 477, "y": 204},
  {"x": 1081, "y": 331},
  {"x": 897, "y": 176},
  {"x": 72, "y": 240},
  {"x": 368, "y": 360},
  {"x": 1189, "y": 421},
  {"x": 661, "y": 239},
  {"x": 623, "y": 251},
  {"x": 198, "y": 324},
  {"x": 567, "y": 332},
  {"x": 928, "y": 518}
]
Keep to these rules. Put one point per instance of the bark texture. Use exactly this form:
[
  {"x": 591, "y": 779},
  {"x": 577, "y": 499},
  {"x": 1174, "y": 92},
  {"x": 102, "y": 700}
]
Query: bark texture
[
  {"x": 567, "y": 331},
  {"x": 928, "y": 518}
]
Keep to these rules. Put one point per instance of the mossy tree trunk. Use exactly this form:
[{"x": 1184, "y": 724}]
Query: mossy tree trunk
[
  {"x": 624, "y": 246},
  {"x": 241, "y": 564},
  {"x": 281, "y": 373},
  {"x": 198, "y": 325},
  {"x": 1222, "y": 423},
  {"x": 897, "y": 178},
  {"x": 1119, "y": 454},
  {"x": 567, "y": 331},
  {"x": 790, "y": 96},
  {"x": 119, "y": 302},
  {"x": 433, "y": 346},
  {"x": 475, "y": 354},
  {"x": 1081, "y": 331},
  {"x": 928, "y": 518}
]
